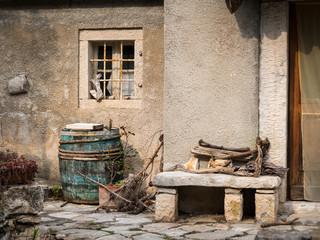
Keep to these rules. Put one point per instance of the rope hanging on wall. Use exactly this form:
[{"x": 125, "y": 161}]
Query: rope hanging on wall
[{"x": 233, "y": 5}]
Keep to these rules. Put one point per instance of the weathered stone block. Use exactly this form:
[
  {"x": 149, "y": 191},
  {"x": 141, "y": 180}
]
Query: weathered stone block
[
  {"x": 167, "y": 190},
  {"x": 18, "y": 85},
  {"x": 24, "y": 199},
  {"x": 179, "y": 179},
  {"x": 233, "y": 205},
  {"x": 166, "y": 207},
  {"x": 233, "y": 191},
  {"x": 29, "y": 219},
  {"x": 266, "y": 191},
  {"x": 266, "y": 206}
]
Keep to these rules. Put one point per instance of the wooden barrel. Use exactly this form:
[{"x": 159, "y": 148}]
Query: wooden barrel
[{"x": 87, "y": 152}]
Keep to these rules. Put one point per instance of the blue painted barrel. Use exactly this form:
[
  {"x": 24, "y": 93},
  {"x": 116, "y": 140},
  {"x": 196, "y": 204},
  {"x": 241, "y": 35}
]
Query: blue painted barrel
[{"x": 89, "y": 153}]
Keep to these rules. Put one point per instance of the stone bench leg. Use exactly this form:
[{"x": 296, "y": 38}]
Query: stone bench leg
[
  {"x": 233, "y": 205},
  {"x": 266, "y": 202},
  {"x": 166, "y": 205}
]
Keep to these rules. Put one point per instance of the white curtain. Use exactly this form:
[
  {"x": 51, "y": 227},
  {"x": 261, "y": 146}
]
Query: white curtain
[{"x": 308, "y": 23}]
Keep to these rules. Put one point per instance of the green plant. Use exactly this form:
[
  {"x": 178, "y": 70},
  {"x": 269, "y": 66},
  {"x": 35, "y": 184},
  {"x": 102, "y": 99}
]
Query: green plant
[
  {"x": 35, "y": 234},
  {"x": 57, "y": 191},
  {"x": 115, "y": 164},
  {"x": 168, "y": 238}
]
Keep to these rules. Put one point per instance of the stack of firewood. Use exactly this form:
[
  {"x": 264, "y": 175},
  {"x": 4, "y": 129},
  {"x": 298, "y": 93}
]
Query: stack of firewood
[{"x": 222, "y": 159}]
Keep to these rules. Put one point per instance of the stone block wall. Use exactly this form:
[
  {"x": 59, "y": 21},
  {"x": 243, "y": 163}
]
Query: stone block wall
[{"x": 19, "y": 208}]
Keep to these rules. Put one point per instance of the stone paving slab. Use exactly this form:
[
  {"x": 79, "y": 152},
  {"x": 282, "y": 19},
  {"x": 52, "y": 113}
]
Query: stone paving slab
[
  {"x": 81, "y": 234},
  {"x": 305, "y": 219},
  {"x": 246, "y": 237},
  {"x": 126, "y": 231},
  {"x": 244, "y": 227},
  {"x": 203, "y": 227},
  {"x": 219, "y": 234},
  {"x": 112, "y": 237},
  {"x": 67, "y": 215},
  {"x": 74, "y": 222},
  {"x": 130, "y": 221},
  {"x": 148, "y": 236},
  {"x": 104, "y": 219}
]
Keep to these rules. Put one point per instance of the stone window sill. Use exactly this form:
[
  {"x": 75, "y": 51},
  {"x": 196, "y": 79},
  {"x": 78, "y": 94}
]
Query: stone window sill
[{"x": 107, "y": 104}]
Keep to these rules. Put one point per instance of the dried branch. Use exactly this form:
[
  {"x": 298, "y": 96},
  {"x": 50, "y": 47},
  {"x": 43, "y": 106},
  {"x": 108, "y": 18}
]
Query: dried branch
[
  {"x": 103, "y": 186},
  {"x": 225, "y": 170},
  {"x": 258, "y": 161},
  {"x": 223, "y": 154},
  {"x": 208, "y": 145},
  {"x": 132, "y": 189},
  {"x": 264, "y": 225},
  {"x": 267, "y": 168}
]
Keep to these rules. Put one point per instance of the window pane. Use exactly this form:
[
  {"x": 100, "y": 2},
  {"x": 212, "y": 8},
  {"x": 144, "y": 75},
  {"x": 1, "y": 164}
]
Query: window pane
[
  {"x": 128, "y": 87},
  {"x": 101, "y": 56},
  {"x": 128, "y": 53},
  {"x": 109, "y": 56}
]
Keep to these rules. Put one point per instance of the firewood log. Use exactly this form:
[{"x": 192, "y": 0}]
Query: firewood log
[
  {"x": 208, "y": 145},
  {"x": 223, "y": 154}
]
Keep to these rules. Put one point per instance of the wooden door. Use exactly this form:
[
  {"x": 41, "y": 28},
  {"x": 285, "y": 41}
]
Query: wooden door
[{"x": 295, "y": 140}]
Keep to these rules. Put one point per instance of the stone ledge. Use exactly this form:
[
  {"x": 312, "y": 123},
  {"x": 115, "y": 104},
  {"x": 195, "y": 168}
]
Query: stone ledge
[{"x": 177, "y": 179}]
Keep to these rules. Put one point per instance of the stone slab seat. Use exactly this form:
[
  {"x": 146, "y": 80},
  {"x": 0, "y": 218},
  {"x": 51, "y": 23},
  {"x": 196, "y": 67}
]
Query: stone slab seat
[{"x": 266, "y": 196}]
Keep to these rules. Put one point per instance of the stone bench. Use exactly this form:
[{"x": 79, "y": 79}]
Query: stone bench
[{"x": 266, "y": 194}]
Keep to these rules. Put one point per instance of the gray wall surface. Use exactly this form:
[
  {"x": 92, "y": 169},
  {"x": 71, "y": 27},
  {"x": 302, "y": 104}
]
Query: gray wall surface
[
  {"x": 43, "y": 43},
  {"x": 211, "y": 76}
]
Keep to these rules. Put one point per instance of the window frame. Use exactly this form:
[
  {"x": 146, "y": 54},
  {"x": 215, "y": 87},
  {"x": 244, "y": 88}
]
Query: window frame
[
  {"x": 87, "y": 39},
  {"x": 117, "y": 79}
]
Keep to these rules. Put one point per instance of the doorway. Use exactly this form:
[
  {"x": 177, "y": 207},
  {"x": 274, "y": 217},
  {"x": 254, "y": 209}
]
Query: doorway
[{"x": 304, "y": 101}]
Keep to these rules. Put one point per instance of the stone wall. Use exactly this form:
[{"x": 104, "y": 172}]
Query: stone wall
[
  {"x": 211, "y": 76},
  {"x": 273, "y": 93},
  {"x": 42, "y": 43},
  {"x": 19, "y": 209}
]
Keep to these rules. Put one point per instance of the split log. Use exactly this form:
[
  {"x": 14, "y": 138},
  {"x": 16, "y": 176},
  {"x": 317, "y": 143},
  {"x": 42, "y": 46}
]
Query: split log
[
  {"x": 227, "y": 170},
  {"x": 223, "y": 154},
  {"x": 208, "y": 145},
  {"x": 182, "y": 167},
  {"x": 219, "y": 163}
]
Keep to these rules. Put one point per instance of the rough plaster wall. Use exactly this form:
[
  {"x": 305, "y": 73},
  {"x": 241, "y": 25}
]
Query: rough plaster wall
[
  {"x": 273, "y": 107},
  {"x": 43, "y": 43},
  {"x": 211, "y": 76}
]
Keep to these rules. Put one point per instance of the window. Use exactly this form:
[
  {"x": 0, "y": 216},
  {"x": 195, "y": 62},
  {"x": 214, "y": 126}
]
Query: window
[
  {"x": 115, "y": 63},
  {"x": 115, "y": 58}
]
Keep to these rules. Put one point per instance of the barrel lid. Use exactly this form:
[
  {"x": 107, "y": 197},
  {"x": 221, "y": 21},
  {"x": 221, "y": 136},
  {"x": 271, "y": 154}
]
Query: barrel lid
[{"x": 85, "y": 126}]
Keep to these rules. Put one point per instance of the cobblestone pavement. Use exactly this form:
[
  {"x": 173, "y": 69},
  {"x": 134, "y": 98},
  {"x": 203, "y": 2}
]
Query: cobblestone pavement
[{"x": 75, "y": 221}]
